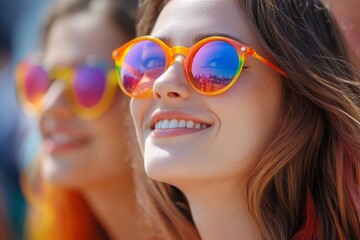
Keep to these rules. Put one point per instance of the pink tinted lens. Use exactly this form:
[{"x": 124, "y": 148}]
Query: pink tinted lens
[
  {"x": 36, "y": 83},
  {"x": 214, "y": 66},
  {"x": 142, "y": 65},
  {"x": 89, "y": 85}
]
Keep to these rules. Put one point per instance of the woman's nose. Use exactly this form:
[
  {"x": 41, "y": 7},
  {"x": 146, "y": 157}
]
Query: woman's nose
[
  {"x": 172, "y": 84},
  {"x": 55, "y": 102}
]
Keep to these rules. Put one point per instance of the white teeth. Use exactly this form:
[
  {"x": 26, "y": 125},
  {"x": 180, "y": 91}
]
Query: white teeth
[
  {"x": 165, "y": 124},
  {"x": 175, "y": 123},
  {"x": 182, "y": 124},
  {"x": 190, "y": 124}
]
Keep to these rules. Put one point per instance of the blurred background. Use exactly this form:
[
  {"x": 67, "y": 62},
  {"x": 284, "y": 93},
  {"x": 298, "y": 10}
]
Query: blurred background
[
  {"x": 20, "y": 24},
  {"x": 20, "y": 34},
  {"x": 348, "y": 17}
]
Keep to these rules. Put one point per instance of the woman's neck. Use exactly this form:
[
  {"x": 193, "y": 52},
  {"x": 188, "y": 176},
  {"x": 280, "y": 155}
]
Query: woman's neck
[
  {"x": 219, "y": 212},
  {"x": 114, "y": 205}
]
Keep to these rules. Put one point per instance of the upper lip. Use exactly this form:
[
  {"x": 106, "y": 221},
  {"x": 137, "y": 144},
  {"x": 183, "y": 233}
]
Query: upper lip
[
  {"x": 161, "y": 115},
  {"x": 60, "y": 129}
]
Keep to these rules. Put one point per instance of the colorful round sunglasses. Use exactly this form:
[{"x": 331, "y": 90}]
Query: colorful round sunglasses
[
  {"x": 90, "y": 88},
  {"x": 212, "y": 65}
]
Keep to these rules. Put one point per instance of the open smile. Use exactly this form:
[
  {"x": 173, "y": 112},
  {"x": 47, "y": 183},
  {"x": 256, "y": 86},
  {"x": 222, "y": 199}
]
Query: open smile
[
  {"x": 179, "y": 123},
  {"x": 175, "y": 123}
]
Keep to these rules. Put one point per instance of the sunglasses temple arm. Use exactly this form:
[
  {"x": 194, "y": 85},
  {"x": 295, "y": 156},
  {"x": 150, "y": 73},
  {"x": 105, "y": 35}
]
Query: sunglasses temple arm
[{"x": 260, "y": 58}]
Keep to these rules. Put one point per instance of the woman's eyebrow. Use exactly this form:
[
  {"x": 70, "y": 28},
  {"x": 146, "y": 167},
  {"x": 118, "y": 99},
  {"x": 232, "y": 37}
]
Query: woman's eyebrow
[
  {"x": 164, "y": 39},
  {"x": 202, "y": 36},
  {"x": 206, "y": 35}
]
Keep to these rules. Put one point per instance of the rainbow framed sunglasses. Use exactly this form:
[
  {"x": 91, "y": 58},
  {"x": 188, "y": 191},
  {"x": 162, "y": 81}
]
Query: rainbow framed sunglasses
[
  {"x": 212, "y": 65},
  {"x": 89, "y": 88}
]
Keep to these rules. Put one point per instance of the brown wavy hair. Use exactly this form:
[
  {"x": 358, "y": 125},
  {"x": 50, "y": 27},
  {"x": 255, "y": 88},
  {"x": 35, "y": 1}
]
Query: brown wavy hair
[
  {"x": 307, "y": 184},
  {"x": 55, "y": 212}
]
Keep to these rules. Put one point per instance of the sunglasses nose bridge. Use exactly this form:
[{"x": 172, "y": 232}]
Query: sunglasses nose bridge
[
  {"x": 65, "y": 76},
  {"x": 178, "y": 51}
]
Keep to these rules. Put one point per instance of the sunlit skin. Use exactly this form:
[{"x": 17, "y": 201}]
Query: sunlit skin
[
  {"x": 89, "y": 156},
  {"x": 210, "y": 165}
]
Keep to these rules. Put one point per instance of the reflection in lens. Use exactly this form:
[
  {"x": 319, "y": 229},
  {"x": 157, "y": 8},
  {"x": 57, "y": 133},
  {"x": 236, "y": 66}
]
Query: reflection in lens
[
  {"x": 36, "y": 83},
  {"x": 89, "y": 84},
  {"x": 142, "y": 65},
  {"x": 214, "y": 66}
]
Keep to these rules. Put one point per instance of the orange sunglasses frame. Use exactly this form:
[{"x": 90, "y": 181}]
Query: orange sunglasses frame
[{"x": 243, "y": 52}]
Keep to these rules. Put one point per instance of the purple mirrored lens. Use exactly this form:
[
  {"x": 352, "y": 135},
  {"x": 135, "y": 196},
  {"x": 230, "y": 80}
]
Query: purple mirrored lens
[
  {"x": 214, "y": 66},
  {"x": 142, "y": 65},
  {"x": 36, "y": 83},
  {"x": 89, "y": 85}
]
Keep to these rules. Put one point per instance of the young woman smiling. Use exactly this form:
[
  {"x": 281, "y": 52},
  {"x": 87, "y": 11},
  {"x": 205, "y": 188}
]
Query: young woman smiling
[
  {"x": 251, "y": 109},
  {"x": 82, "y": 185}
]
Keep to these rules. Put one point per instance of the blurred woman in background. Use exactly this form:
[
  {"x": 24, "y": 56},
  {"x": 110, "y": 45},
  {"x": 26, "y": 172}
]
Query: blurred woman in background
[{"x": 81, "y": 187}]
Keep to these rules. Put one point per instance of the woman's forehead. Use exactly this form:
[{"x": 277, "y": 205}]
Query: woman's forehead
[{"x": 182, "y": 21}]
